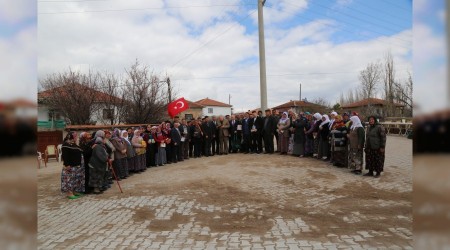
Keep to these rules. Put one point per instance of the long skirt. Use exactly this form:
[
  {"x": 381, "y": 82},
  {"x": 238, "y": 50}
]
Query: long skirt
[
  {"x": 340, "y": 158},
  {"x": 316, "y": 146},
  {"x": 131, "y": 162},
  {"x": 140, "y": 162},
  {"x": 97, "y": 176},
  {"x": 355, "y": 159},
  {"x": 117, "y": 167},
  {"x": 309, "y": 146},
  {"x": 283, "y": 143},
  {"x": 150, "y": 155},
  {"x": 374, "y": 160},
  {"x": 299, "y": 148},
  {"x": 160, "y": 156},
  {"x": 72, "y": 179},
  {"x": 324, "y": 149},
  {"x": 120, "y": 167}
]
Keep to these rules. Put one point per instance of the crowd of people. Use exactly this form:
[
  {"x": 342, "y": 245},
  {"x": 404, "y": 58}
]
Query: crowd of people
[{"x": 92, "y": 161}]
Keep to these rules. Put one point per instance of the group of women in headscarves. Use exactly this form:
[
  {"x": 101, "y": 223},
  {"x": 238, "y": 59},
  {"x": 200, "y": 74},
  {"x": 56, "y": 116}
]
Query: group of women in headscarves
[
  {"x": 93, "y": 162},
  {"x": 339, "y": 139}
]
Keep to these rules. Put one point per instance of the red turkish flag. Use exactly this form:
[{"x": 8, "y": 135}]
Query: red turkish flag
[{"x": 177, "y": 107}]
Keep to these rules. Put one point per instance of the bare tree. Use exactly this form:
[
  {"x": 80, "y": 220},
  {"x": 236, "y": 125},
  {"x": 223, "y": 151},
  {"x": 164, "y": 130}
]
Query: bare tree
[
  {"x": 71, "y": 93},
  {"x": 369, "y": 78},
  {"x": 403, "y": 94},
  {"x": 145, "y": 95},
  {"x": 112, "y": 108},
  {"x": 389, "y": 80}
]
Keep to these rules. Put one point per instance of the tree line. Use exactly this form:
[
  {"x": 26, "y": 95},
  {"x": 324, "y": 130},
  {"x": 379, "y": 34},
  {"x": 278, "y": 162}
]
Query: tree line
[
  {"x": 382, "y": 76},
  {"x": 137, "y": 96}
]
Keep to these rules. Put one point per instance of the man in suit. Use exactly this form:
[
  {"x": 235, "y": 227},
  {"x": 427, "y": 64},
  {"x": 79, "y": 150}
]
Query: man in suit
[
  {"x": 235, "y": 134},
  {"x": 184, "y": 129},
  {"x": 257, "y": 135},
  {"x": 207, "y": 135},
  {"x": 224, "y": 125},
  {"x": 269, "y": 128},
  {"x": 246, "y": 133},
  {"x": 215, "y": 135},
  {"x": 176, "y": 143}
]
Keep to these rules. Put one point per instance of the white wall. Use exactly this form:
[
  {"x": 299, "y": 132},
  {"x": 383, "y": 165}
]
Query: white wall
[{"x": 216, "y": 111}]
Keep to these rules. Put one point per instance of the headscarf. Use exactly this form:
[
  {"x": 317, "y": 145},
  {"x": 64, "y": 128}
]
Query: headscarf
[
  {"x": 318, "y": 116},
  {"x": 99, "y": 133},
  {"x": 98, "y": 140},
  {"x": 125, "y": 138},
  {"x": 372, "y": 116},
  {"x": 356, "y": 122},
  {"x": 136, "y": 133},
  {"x": 70, "y": 136},
  {"x": 327, "y": 120},
  {"x": 116, "y": 134},
  {"x": 284, "y": 119},
  {"x": 334, "y": 113}
]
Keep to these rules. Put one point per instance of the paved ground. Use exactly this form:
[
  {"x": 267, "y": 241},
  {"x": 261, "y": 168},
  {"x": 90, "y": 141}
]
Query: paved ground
[{"x": 237, "y": 202}]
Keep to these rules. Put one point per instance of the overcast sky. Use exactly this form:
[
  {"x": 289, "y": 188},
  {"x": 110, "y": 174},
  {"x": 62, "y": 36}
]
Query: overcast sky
[{"x": 210, "y": 48}]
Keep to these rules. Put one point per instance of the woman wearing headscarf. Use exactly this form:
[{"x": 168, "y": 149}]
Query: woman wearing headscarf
[
  {"x": 166, "y": 129},
  {"x": 356, "y": 138},
  {"x": 339, "y": 142},
  {"x": 72, "y": 174},
  {"x": 120, "y": 164},
  {"x": 283, "y": 133},
  {"x": 309, "y": 138},
  {"x": 86, "y": 143},
  {"x": 131, "y": 153},
  {"x": 151, "y": 145},
  {"x": 314, "y": 130},
  {"x": 98, "y": 163},
  {"x": 300, "y": 126},
  {"x": 139, "y": 146},
  {"x": 375, "y": 145},
  {"x": 324, "y": 144},
  {"x": 160, "y": 153}
]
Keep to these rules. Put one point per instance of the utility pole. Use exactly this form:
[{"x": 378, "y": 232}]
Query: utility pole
[
  {"x": 262, "y": 56},
  {"x": 300, "y": 92},
  {"x": 169, "y": 89}
]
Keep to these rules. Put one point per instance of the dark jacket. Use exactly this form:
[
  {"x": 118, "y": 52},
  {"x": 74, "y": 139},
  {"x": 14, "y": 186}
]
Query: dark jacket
[
  {"x": 99, "y": 156},
  {"x": 176, "y": 136},
  {"x": 375, "y": 136},
  {"x": 269, "y": 124},
  {"x": 324, "y": 132},
  {"x": 71, "y": 154}
]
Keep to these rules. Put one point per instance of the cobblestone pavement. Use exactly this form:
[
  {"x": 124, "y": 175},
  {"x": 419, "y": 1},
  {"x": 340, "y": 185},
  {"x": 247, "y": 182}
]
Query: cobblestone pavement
[{"x": 237, "y": 201}]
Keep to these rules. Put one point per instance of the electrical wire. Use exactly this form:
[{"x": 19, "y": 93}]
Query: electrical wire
[
  {"x": 343, "y": 29},
  {"x": 139, "y": 9}
]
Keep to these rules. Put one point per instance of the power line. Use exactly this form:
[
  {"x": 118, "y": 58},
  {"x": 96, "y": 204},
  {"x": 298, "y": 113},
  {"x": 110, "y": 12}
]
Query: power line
[
  {"x": 354, "y": 18},
  {"x": 381, "y": 11},
  {"x": 354, "y": 9},
  {"x": 137, "y": 9},
  {"x": 210, "y": 41},
  {"x": 398, "y": 6},
  {"x": 343, "y": 29}
]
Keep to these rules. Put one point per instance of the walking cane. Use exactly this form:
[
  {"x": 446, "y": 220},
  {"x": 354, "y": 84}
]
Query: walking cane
[{"x": 115, "y": 176}]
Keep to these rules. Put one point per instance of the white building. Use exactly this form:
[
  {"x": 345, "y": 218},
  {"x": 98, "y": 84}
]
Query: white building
[{"x": 212, "y": 107}]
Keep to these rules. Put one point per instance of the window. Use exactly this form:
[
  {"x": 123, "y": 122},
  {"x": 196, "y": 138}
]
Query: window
[
  {"x": 210, "y": 110},
  {"x": 188, "y": 117},
  {"x": 108, "y": 113}
]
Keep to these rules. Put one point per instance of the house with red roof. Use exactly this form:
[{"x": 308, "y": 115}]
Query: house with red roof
[
  {"x": 50, "y": 118},
  {"x": 212, "y": 107},
  {"x": 374, "y": 106}
]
